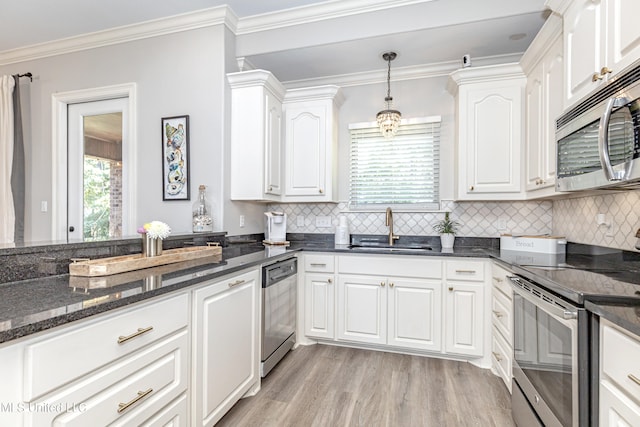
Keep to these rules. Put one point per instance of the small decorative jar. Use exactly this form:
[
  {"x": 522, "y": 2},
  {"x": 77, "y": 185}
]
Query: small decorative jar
[
  {"x": 202, "y": 215},
  {"x": 151, "y": 246}
]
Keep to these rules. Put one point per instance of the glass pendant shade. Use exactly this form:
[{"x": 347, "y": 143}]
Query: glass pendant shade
[{"x": 388, "y": 119}]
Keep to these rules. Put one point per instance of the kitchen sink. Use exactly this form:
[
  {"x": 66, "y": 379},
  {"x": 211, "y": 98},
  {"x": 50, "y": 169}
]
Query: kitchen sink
[{"x": 387, "y": 248}]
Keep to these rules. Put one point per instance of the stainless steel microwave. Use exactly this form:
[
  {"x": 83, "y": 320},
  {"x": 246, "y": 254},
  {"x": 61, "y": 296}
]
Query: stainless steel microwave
[{"x": 598, "y": 140}]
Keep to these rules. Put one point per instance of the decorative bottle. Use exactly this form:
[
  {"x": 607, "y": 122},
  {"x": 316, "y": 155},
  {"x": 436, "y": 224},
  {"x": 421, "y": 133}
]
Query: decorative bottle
[{"x": 202, "y": 215}]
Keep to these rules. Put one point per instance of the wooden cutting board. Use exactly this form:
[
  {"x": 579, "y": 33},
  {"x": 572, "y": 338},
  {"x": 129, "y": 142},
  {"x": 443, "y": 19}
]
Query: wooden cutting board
[{"x": 121, "y": 264}]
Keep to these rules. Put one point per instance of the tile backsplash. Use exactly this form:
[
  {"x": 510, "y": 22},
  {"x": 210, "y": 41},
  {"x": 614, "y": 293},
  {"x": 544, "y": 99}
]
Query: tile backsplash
[
  {"x": 477, "y": 219},
  {"x": 576, "y": 219}
]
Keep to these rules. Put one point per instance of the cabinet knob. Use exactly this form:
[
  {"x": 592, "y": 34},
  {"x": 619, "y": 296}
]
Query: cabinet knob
[
  {"x": 605, "y": 70},
  {"x": 391, "y": 285},
  {"x": 471, "y": 188},
  {"x": 596, "y": 77},
  {"x": 497, "y": 356},
  {"x": 320, "y": 191},
  {"x": 450, "y": 288},
  {"x": 497, "y": 279},
  {"x": 270, "y": 188},
  {"x": 497, "y": 313},
  {"x": 382, "y": 284},
  {"x": 329, "y": 281}
]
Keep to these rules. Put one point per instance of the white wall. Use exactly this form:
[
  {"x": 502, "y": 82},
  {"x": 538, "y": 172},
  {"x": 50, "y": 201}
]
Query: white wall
[{"x": 181, "y": 73}]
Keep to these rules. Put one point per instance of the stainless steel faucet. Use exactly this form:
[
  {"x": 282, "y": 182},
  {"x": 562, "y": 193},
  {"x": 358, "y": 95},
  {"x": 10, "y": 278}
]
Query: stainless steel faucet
[{"x": 389, "y": 223}]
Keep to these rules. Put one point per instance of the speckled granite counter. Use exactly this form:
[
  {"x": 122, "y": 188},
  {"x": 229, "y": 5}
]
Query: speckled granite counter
[{"x": 624, "y": 315}]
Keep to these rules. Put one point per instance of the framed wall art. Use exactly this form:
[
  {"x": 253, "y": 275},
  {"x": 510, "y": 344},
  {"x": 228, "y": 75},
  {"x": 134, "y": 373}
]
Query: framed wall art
[{"x": 175, "y": 158}]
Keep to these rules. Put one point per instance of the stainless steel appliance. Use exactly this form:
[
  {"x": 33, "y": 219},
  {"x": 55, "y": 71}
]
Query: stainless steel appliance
[
  {"x": 551, "y": 359},
  {"x": 279, "y": 284},
  {"x": 598, "y": 140}
]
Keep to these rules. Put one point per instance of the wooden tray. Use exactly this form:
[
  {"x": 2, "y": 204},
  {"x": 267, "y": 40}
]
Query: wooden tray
[{"x": 121, "y": 264}]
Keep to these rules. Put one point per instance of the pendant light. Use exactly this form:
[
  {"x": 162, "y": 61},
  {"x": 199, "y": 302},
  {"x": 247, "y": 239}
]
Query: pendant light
[{"x": 388, "y": 119}]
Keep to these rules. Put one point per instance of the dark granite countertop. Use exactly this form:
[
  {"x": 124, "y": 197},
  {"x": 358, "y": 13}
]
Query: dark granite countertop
[
  {"x": 626, "y": 315},
  {"x": 34, "y": 305}
]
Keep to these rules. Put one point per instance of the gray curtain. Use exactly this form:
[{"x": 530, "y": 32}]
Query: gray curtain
[{"x": 17, "y": 170}]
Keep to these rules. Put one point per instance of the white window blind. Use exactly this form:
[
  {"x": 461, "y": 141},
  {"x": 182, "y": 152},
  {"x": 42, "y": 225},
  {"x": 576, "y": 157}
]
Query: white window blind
[{"x": 402, "y": 172}]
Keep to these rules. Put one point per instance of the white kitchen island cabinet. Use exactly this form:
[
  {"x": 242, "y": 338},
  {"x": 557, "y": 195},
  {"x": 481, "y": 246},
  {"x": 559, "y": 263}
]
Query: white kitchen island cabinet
[
  {"x": 226, "y": 340},
  {"x": 125, "y": 367},
  {"x": 490, "y": 131}
]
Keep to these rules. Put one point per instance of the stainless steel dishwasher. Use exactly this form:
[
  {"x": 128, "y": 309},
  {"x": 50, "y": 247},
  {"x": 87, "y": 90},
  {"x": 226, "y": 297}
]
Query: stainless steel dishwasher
[{"x": 279, "y": 284}]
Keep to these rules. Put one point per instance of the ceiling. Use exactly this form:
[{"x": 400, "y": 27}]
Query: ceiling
[{"x": 332, "y": 38}]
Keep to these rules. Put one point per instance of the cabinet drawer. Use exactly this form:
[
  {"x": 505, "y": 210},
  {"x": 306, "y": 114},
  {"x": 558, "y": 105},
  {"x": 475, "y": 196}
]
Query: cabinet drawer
[
  {"x": 127, "y": 393},
  {"x": 500, "y": 281},
  {"x": 501, "y": 358},
  {"x": 620, "y": 356},
  {"x": 78, "y": 350},
  {"x": 399, "y": 266},
  {"x": 465, "y": 270},
  {"x": 319, "y": 263},
  {"x": 502, "y": 315}
]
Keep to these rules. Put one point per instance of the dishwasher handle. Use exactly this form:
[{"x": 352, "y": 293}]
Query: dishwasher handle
[{"x": 274, "y": 273}]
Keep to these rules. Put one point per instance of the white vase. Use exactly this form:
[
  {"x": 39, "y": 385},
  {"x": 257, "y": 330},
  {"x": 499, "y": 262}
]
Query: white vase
[{"x": 446, "y": 240}]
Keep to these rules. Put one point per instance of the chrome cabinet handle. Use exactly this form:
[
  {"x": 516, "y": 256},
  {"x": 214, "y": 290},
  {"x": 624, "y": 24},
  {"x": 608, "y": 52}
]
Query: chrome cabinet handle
[
  {"x": 236, "y": 283},
  {"x": 140, "y": 331},
  {"x": 497, "y": 356},
  {"x": 634, "y": 378},
  {"x": 141, "y": 395},
  {"x": 498, "y": 313}
]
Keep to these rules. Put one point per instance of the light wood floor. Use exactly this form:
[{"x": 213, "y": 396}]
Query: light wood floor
[{"x": 323, "y": 385}]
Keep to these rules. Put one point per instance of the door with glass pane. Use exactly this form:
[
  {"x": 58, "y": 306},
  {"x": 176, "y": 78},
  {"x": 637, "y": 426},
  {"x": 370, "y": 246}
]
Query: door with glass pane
[{"x": 96, "y": 184}]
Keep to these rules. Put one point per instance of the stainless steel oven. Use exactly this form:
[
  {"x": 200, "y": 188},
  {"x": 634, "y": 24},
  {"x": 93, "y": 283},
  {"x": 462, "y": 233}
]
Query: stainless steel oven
[{"x": 551, "y": 359}]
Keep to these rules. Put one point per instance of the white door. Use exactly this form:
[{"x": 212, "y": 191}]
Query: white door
[
  {"x": 362, "y": 305},
  {"x": 464, "y": 319},
  {"x": 319, "y": 294},
  {"x": 98, "y": 170}
]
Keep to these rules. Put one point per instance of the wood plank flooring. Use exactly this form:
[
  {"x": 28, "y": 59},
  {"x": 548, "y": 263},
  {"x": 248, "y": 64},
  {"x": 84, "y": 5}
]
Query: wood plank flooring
[{"x": 322, "y": 385}]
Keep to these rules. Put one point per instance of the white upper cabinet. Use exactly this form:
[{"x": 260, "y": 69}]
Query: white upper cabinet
[
  {"x": 311, "y": 138},
  {"x": 490, "y": 127},
  {"x": 542, "y": 64},
  {"x": 601, "y": 38},
  {"x": 256, "y": 136}
]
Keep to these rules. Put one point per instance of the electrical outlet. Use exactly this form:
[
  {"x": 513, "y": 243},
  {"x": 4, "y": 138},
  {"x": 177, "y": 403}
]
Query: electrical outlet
[
  {"x": 43, "y": 206},
  {"x": 300, "y": 221},
  {"x": 323, "y": 221},
  {"x": 241, "y": 220},
  {"x": 610, "y": 229},
  {"x": 502, "y": 224}
]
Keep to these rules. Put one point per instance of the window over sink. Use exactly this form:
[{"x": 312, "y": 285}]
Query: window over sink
[{"x": 403, "y": 172}]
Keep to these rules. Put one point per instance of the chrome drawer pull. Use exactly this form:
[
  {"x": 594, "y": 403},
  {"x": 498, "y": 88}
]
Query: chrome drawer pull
[
  {"x": 466, "y": 271},
  {"x": 313, "y": 264},
  {"x": 497, "y": 356},
  {"x": 634, "y": 378},
  {"x": 236, "y": 283},
  {"x": 140, "y": 331},
  {"x": 141, "y": 395},
  {"x": 498, "y": 313}
]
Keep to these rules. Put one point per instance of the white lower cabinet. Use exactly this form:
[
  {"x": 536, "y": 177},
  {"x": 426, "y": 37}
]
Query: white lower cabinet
[
  {"x": 502, "y": 324},
  {"x": 319, "y": 305},
  {"x": 225, "y": 344},
  {"x": 464, "y": 318},
  {"x": 362, "y": 309},
  {"x": 619, "y": 377}
]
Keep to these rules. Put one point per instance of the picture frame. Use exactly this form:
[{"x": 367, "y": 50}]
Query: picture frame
[{"x": 175, "y": 158}]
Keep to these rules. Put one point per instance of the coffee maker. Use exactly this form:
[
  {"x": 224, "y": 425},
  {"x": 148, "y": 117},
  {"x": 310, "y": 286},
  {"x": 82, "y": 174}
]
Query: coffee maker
[{"x": 275, "y": 229}]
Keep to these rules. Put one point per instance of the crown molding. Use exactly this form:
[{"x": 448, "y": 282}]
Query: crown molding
[
  {"x": 548, "y": 34},
  {"x": 488, "y": 73},
  {"x": 173, "y": 24},
  {"x": 440, "y": 69},
  {"x": 316, "y": 12}
]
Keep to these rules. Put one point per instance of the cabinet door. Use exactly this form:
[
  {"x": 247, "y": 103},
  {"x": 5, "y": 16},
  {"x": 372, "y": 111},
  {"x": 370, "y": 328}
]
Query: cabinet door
[
  {"x": 273, "y": 145},
  {"x": 226, "y": 349},
  {"x": 623, "y": 32},
  {"x": 584, "y": 36},
  {"x": 464, "y": 318},
  {"x": 534, "y": 129},
  {"x": 553, "y": 85},
  {"x": 493, "y": 135},
  {"x": 616, "y": 410},
  {"x": 415, "y": 314},
  {"x": 306, "y": 150},
  {"x": 319, "y": 306},
  {"x": 362, "y": 308}
]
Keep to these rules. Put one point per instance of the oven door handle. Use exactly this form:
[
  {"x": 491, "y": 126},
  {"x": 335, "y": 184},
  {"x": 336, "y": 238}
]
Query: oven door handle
[{"x": 557, "y": 311}]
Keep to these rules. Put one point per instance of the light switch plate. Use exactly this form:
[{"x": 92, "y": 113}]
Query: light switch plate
[{"x": 300, "y": 221}]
